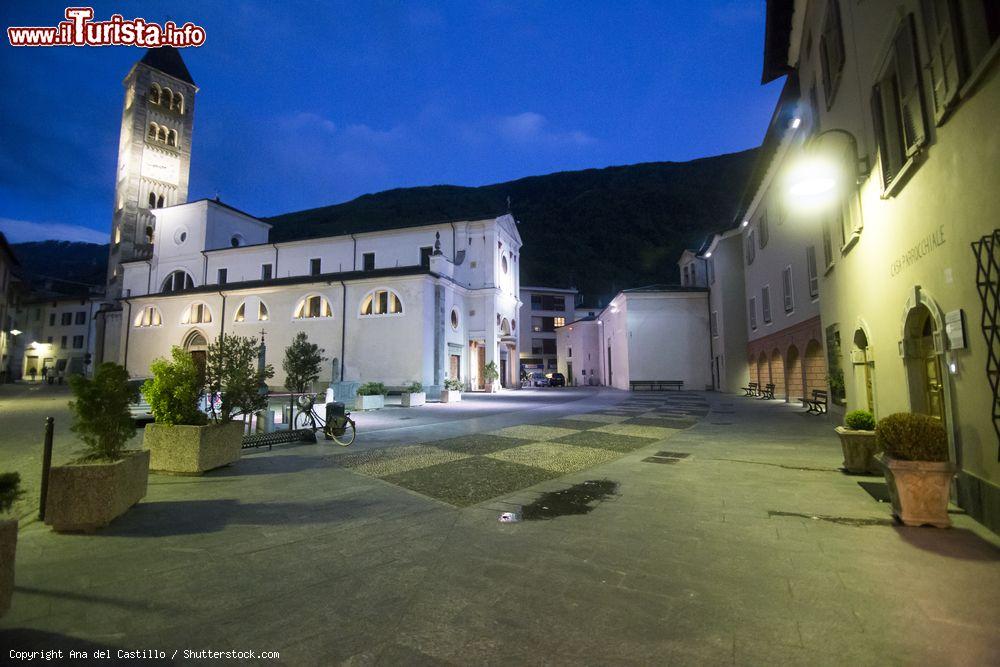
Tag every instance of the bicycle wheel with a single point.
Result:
(305, 420)
(347, 437)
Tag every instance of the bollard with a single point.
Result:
(46, 464)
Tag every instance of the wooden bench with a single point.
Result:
(655, 385)
(751, 390)
(817, 403)
(768, 392)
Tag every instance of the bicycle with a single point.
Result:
(340, 428)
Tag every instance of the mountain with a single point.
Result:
(599, 230)
(62, 266)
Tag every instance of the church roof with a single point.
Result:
(168, 60)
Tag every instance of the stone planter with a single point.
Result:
(450, 396)
(918, 490)
(8, 548)
(414, 399)
(860, 449)
(370, 402)
(191, 450)
(87, 496)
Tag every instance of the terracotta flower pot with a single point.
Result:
(860, 449)
(8, 549)
(87, 496)
(192, 450)
(919, 490)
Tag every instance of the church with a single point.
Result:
(420, 302)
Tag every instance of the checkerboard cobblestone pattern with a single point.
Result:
(470, 469)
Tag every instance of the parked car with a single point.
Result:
(538, 379)
(557, 380)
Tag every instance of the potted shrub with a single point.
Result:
(452, 391)
(491, 375)
(916, 468)
(107, 479)
(857, 439)
(181, 440)
(414, 396)
(10, 491)
(371, 396)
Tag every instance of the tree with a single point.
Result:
(234, 377)
(302, 363)
(175, 389)
(100, 412)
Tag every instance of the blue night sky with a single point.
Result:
(303, 105)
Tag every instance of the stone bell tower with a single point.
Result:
(154, 154)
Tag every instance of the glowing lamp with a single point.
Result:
(16, 332)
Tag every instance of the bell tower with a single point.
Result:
(154, 154)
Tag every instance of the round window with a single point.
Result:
(236, 241)
(503, 263)
(180, 236)
(454, 319)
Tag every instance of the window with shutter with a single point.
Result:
(827, 245)
(943, 62)
(786, 289)
(765, 303)
(831, 51)
(714, 324)
(813, 273)
(751, 248)
(753, 312)
(764, 234)
(897, 105)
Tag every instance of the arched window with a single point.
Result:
(154, 94)
(153, 129)
(178, 105)
(381, 302)
(161, 135)
(172, 138)
(148, 316)
(167, 99)
(313, 306)
(159, 202)
(262, 315)
(177, 281)
(149, 233)
(241, 313)
(197, 313)
(152, 200)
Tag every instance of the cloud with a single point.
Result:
(530, 127)
(20, 231)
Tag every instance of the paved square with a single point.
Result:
(612, 441)
(533, 432)
(470, 480)
(556, 457)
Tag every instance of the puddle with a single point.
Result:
(840, 520)
(577, 499)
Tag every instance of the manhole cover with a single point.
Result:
(659, 459)
(673, 455)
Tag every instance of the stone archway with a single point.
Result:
(778, 374)
(763, 370)
(793, 373)
(814, 368)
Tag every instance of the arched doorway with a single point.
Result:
(778, 374)
(923, 363)
(793, 373)
(814, 367)
(864, 370)
(763, 371)
(196, 345)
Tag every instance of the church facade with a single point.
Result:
(408, 303)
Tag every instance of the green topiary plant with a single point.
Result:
(453, 385)
(414, 388)
(10, 490)
(860, 420)
(100, 412)
(490, 372)
(912, 437)
(235, 378)
(175, 389)
(372, 389)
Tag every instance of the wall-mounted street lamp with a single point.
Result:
(16, 332)
(823, 173)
